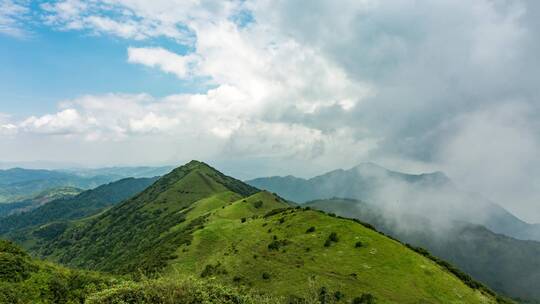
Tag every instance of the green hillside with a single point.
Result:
(143, 233)
(196, 221)
(24, 280)
(506, 264)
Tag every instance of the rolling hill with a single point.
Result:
(419, 194)
(506, 264)
(196, 221)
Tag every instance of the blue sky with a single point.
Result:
(49, 66)
(278, 87)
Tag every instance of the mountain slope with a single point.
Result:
(139, 234)
(24, 280)
(507, 265)
(82, 205)
(197, 221)
(420, 194)
(279, 253)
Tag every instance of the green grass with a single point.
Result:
(382, 267)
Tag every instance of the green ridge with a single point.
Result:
(198, 222)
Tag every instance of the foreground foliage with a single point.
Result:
(25, 280)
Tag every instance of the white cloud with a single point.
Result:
(158, 57)
(67, 121)
(417, 83)
(12, 15)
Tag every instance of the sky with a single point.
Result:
(260, 87)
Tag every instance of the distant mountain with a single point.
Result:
(38, 200)
(508, 265)
(432, 194)
(195, 221)
(84, 204)
(362, 182)
(19, 184)
(123, 172)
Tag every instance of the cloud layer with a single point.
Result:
(310, 86)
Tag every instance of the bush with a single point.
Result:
(257, 204)
(332, 238)
(324, 297)
(310, 229)
(169, 291)
(211, 270)
(277, 244)
(366, 298)
(266, 276)
(243, 220)
(338, 295)
(358, 244)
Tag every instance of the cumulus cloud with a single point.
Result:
(165, 60)
(13, 14)
(416, 84)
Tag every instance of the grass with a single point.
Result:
(381, 267)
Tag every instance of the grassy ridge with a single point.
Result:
(198, 222)
(276, 254)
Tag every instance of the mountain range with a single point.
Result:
(198, 222)
(17, 184)
(429, 193)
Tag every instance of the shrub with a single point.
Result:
(169, 291)
(243, 220)
(210, 270)
(365, 298)
(332, 238)
(310, 229)
(338, 296)
(266, 276)
(277, 244)
(358, 244)
(257, 204)
(324, 297)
